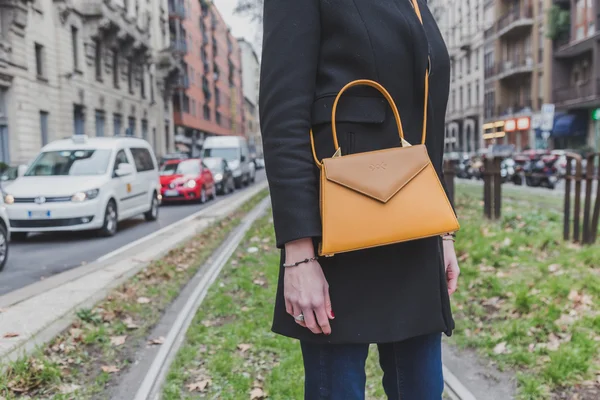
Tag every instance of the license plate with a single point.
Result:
(39, 214)
(171, 193)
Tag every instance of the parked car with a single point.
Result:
(188, 179)
(84, 184)
(221, 174)
(235, 150)
(173, 156)
(4, 235)
(260, 163)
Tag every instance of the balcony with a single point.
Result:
(566, 47)
(585, 93)
(472, 110)
(489, 33)
(522, 108)
(466, 41)
(176, 9)
(517, 65)
(182, 83)
(515, 21)
(179, 46)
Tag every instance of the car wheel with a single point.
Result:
(18, 236)
(3, 247)
(238, 183)
(152, 213)
(111, 219)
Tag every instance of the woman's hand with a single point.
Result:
(451, 264)
(305, 288)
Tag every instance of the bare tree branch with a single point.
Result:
(251, 8)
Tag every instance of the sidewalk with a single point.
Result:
(35, 314)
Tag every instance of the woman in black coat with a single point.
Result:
(397, 295)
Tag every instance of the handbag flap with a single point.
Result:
(378, 174)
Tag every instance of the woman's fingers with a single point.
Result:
(310, 321)
(296, 310)
(289, 308)
(323, 320)
(328, 308)
(452, 273)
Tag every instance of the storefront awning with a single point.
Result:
(569, 125)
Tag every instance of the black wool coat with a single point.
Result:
(311, 49)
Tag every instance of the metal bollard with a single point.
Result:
(571, 176)
(590, 219)
(492, 188)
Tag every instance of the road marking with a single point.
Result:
(152, 383)
(204, 210)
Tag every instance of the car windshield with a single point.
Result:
(70, 162)
(187, 167)
(228, 153)
(214, 164)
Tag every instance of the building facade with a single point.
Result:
(85, 67)
(461, 24)
(518, 71)
(208, 99)
(250, 85)
(576, 70)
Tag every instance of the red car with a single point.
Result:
(186, 179)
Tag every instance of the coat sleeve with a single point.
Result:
(291, 42)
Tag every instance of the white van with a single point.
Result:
(83, 184)
(235, 150)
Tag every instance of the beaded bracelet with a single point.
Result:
(305, 261)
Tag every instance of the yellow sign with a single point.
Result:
(129, 188)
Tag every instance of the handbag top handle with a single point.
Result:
(385, 93)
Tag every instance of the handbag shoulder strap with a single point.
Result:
(415, 4)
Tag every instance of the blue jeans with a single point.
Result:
(412, 369)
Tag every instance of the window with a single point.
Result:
(477, 91)
(115, 65)
(39, 61)
(98, 60)
(193, 75)
(145, 129)
(131, 127)
(130, 76)
(206, 112)
(469, 95)
(453, 99)
(75, 46)
(143, 82)
(117, 122)
(44, 127)
(468, 62)
(152, 89)
(193, 107)
(218, 117)
(78, 119)
(79, 162)
(142, 159)
(460, 98)
(100, 123)
(217, 97)
(186, 104)
(121, 158)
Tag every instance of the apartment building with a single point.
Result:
(250, 85)
(460, 22)
(576, 74)
(82, 67)
(517, 70)
(208, 98)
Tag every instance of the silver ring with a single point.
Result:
(299, 317)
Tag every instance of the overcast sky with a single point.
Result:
(240, 26)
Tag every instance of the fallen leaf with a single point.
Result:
(507, 242)
(158, 340)
(66, 388)
(245, 309)
(9, 335)
(110, 369)
(260, 282)
(254, 239)
(500, 348)
(143, 300)
(553, 342)
(553, 268)
(75, 332)
(118, 340)
(252, 249)
(130, 324)
(199, 386)
(257, 393)
(244, 347)
(574, 296)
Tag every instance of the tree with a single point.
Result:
(252, 8)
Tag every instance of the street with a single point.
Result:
(44, 255)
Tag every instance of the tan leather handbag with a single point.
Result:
(381, 197)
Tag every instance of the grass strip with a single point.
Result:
(528, 300)
(99, 344)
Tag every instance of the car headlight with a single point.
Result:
(83, 196)
(191, 184)
(9, 199)
(218, 177)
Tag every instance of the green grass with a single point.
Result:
(71, 366)
(526, 299)
(518, 285)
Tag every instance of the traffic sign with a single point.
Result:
(536, 120)
(545, 135)
(547, 117)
